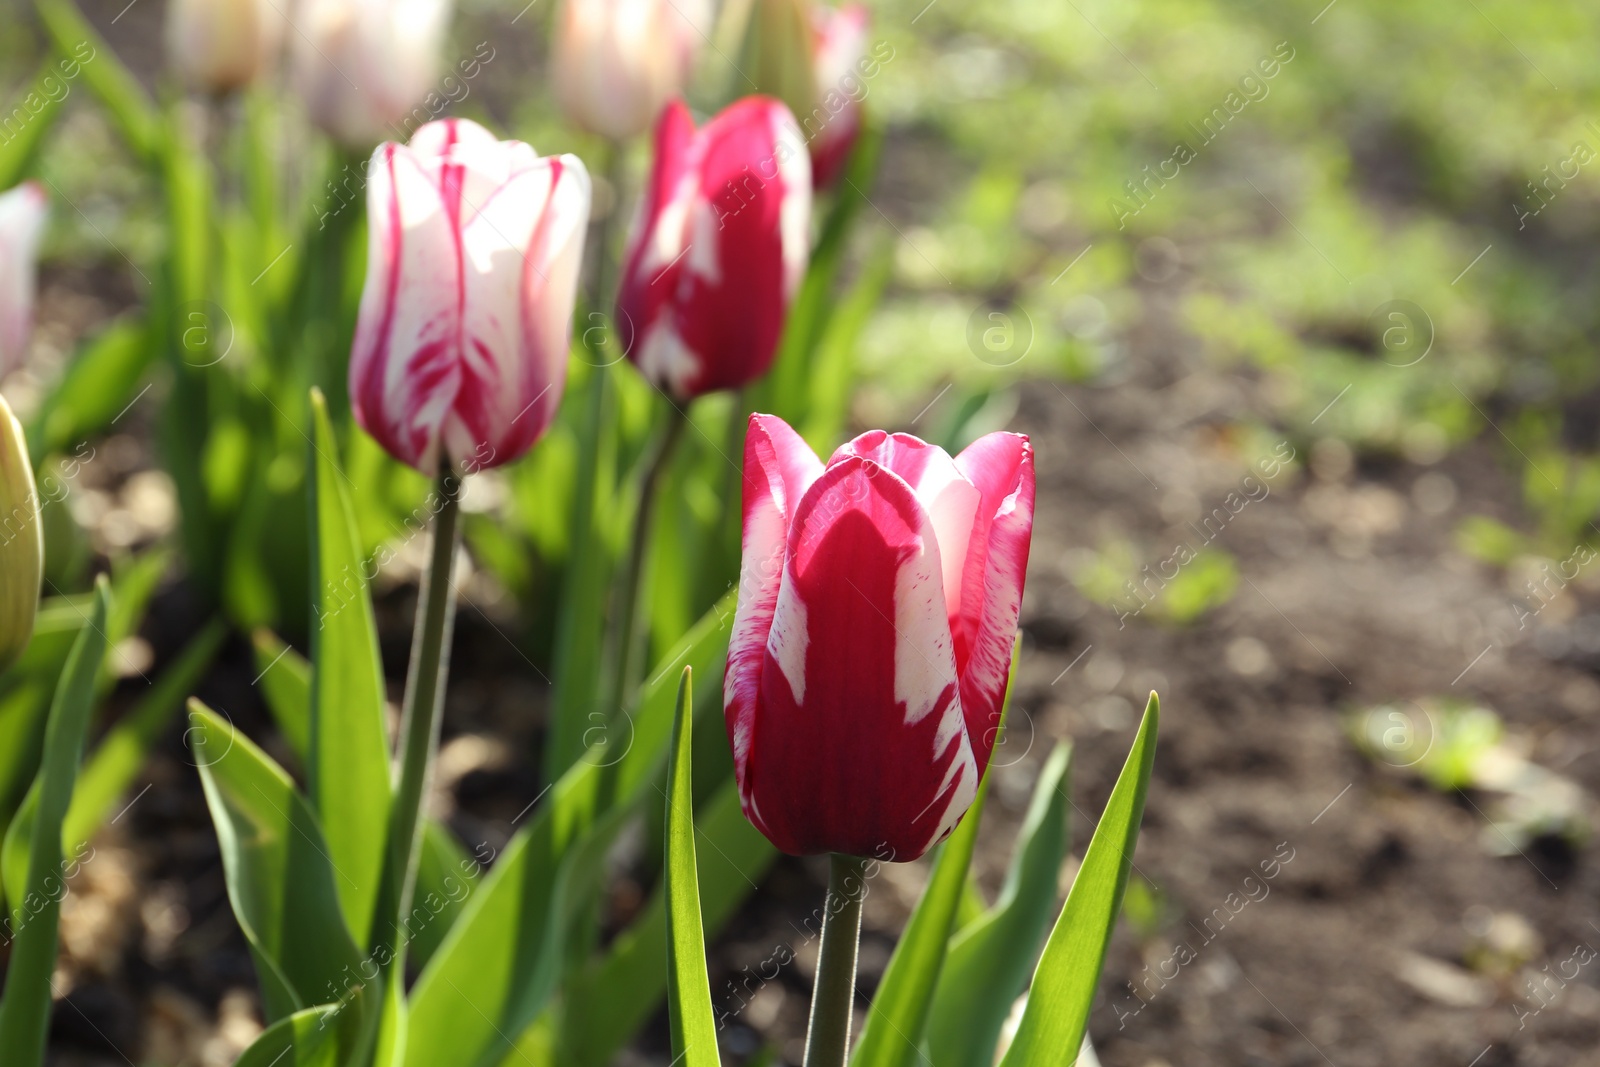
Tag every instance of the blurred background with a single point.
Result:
(1297, 303)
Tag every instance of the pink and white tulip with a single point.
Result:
(878, 604)
(223, 45)
(466, 318)
(617, 62)
(840, 48)
(719, 248)
(363, 66)
(22, 217)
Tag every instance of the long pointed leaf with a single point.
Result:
(500, 963)
(613, 997)
(130, 106)
(285, 680)
(280, 874)
(33, 842)
(989, 960)
(123, 751)
(347, 768)
(694, 1031)
(1069, 971)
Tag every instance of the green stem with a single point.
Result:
(611, 165)
(628, 625)
(424, 698)
(828, 1036)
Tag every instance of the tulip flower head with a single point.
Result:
(719, 247)
(835, 123)
(878, 604)
(363, 66)
(616, 62)
(22, 216)
(223, 45)
(21, 540)
(466, 317)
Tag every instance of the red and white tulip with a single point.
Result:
(840, 46)
(466, 318)
(615, 63)
(363, 66)
(22, 217)
(878, 605)
(719, 248)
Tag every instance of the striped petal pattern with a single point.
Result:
(719, 248)
(472, 270)
(877, 596)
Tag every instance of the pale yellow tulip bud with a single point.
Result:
(21, 540)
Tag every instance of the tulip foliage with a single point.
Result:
(649, 408)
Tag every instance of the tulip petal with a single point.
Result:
(949, 498)
(22, 218)
(846, 755)
(1001, 466)
(521, 253)
(778, 468)
(404, 372)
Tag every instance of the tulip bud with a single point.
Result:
(21, 540)
(616, 62)
(719, 248)
(222, 45)
(22, 215)
(363, 66)
(878, 603)
(466, 318)
(834, 123)
(778, 52)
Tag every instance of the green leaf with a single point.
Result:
(21, 147)
(312, 1037)
(446, 874)
(285, 680)
(502, 959)
(989, 959)
(694, 1031)
(31, 861)
(126, 747)
(583, 592)
(76, 41)
(347, 766)
(281, 879)
(899, 1011)
(1069, 971)
(98, 386)
(609, 1000)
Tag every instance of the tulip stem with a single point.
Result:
(628, 625)
(424, 697)
(828, 1036)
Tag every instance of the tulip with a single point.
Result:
(21, 540)
(223, 45)
(616, 62)
(22, 215)
(363, 66)
(719, 248)
(878, 605)
(466, 318)
(835, 122)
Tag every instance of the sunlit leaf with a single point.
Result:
(1069, 971)
(990, 958)
(694, 1031)
(31, 861)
